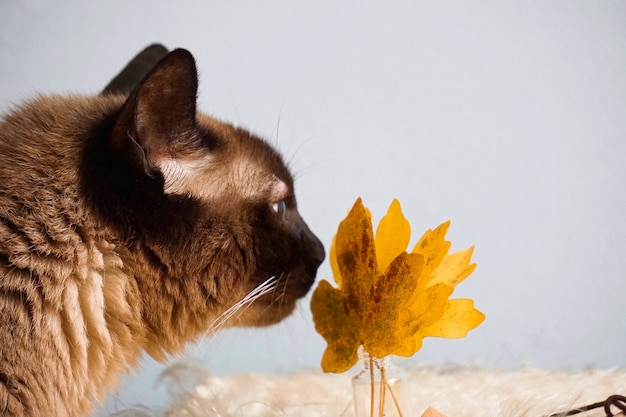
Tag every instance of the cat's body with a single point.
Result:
(131, 224)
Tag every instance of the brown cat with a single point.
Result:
(132, 223)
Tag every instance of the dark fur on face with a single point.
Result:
(134, 223)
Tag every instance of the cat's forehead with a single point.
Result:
(234, 162)
(240, 144)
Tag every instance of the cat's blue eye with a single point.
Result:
(279, 207)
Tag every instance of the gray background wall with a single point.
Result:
(507, 117)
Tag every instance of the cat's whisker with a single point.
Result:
(265, 287)
(280, 295)
(274, 136)
(260, 290)
(277, 296)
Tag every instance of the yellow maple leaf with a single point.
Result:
(365, 307)
(388, 300)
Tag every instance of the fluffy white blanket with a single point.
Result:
(456, 392)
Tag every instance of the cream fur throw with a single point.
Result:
(456, 392)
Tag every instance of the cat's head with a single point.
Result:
(211, 207)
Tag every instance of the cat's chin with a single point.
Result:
(261, 314)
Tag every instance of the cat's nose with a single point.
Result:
(313, 245)
(310, 243)
(317, 249)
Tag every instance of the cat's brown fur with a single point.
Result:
(130, 224)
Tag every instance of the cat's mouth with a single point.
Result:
(273, 299)
(295, 284)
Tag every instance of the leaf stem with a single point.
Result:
(372, 385)
(395, 400)
(383, 385)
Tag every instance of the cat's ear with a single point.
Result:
(157, 124)
(132, 74)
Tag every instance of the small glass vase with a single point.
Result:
(380, 388)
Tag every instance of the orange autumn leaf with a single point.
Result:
(388, 300)
(365, 307)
